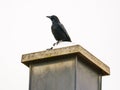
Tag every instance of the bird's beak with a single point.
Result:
(48, 16)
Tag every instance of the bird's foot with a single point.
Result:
(50, 48)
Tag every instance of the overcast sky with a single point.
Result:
(24, 28)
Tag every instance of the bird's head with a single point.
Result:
(53, 18)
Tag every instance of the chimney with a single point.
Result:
(65, 68)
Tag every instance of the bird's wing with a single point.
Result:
(64, 31)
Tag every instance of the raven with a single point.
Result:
(58, 30)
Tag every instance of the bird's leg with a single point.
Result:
(54, 44)
(57, 43)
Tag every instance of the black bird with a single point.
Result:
(58, 30)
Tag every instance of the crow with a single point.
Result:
(58, 30)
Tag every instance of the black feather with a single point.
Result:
(58, 29)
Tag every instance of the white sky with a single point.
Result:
(24, 28)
